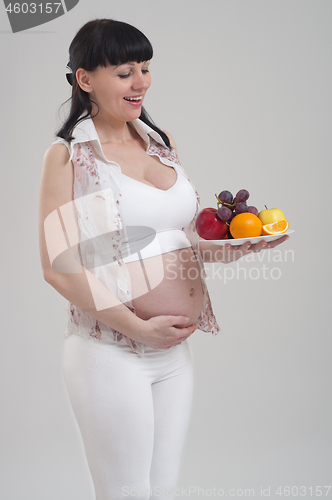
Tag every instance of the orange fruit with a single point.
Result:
(278, 227)
(245, 225)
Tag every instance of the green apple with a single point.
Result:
(271, 215)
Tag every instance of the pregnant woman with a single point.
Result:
(118, 241)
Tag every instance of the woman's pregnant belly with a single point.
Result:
(175, 287)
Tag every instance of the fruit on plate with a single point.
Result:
(209, 226)
(270, 215)
(245, 225)
(228, 206)
(279, 227)
(234, 218)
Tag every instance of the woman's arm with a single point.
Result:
(230, 253)
(75, 285)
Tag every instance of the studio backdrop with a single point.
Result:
(244, 87)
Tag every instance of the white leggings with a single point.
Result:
(133, 413)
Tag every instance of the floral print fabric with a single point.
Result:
(97, 195)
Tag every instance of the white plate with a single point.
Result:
(240, 241)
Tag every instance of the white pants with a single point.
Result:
(133, 413)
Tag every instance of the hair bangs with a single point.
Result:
(116, 43)
(126, 44)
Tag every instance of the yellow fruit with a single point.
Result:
(245, 225)
(278, 227)
(271, 215)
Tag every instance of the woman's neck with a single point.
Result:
(111, 130)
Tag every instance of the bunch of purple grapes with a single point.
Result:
(229, 207)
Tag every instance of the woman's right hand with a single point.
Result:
(162, 332)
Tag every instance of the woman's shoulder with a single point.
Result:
(57, 151)
(173, 144)
(60, 140)
(61, 150)
(175, 151)
(171, 139)
(59, 144)
(58, 154)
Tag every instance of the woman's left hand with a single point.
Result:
(230, 253)
(235, 252)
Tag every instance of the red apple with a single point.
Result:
(209, 226)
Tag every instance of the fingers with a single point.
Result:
(274, 243)
(271, 244)
(183, 333)
(165, 333)
(244, 247)
(247, 247)
(257, 247)
(177, 320)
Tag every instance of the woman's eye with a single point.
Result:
(144, 71)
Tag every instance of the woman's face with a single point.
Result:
(118, 90)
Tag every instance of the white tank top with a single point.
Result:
(154, 218)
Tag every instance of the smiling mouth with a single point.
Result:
(134, 99)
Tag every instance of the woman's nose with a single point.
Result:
(141, 82)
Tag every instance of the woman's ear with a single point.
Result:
(83, 79)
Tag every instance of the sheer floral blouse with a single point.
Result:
(97, 192)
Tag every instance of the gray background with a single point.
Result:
(244, 86)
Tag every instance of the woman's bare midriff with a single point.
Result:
(168, 284)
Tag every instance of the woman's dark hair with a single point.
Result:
(98, 43)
